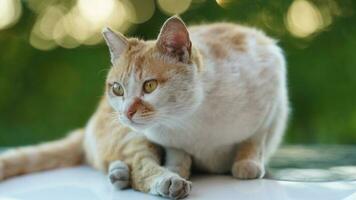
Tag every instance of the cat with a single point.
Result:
(212, 95)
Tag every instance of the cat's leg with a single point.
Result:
(253, 154)
(249, 163)
(147, 175)
(178, 161)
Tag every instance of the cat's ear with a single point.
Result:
(116, 42)
(174, 39)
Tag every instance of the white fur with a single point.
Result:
(90, 146)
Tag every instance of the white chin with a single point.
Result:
(136, 126)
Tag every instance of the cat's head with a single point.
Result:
(153, 82)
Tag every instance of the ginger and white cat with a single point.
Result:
(212, 95)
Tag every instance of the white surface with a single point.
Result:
(88, 184)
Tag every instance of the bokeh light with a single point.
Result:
(139, 11)
(79, 24)
(42, 32)
(96, 11)
(303, 18)
(174, 7)
(10, 12)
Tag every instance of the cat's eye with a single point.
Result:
(117, 89)
(150, 86)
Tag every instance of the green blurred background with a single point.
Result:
(53, 62)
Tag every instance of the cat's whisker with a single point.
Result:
(147, 114)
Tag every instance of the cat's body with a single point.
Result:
(220, 99)
(243, 83)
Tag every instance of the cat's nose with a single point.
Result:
(133, 108)
(130, 113)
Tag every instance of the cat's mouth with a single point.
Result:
(137, 124)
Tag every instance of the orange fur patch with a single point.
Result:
(246, 150)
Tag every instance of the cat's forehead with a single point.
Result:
(141, 61)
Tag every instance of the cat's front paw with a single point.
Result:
(119, 174)
(171, 186)
(247, 169)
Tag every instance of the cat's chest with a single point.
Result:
(208, 152)
(200, 129)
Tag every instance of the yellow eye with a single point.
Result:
(117, 89)
(150, 86)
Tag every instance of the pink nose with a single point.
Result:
(133, 108)
(131, 113)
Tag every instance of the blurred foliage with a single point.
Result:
(44, 94)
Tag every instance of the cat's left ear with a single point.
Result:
(116, 42)
(174, 39)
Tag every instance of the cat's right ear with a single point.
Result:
(116, 42)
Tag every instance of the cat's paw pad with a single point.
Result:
(119, 174)
(172, 186)
(247, 169)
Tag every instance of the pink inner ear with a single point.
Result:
(180, 39)
(176, 41)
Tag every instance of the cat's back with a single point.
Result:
(218, 40)
(236, 52)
